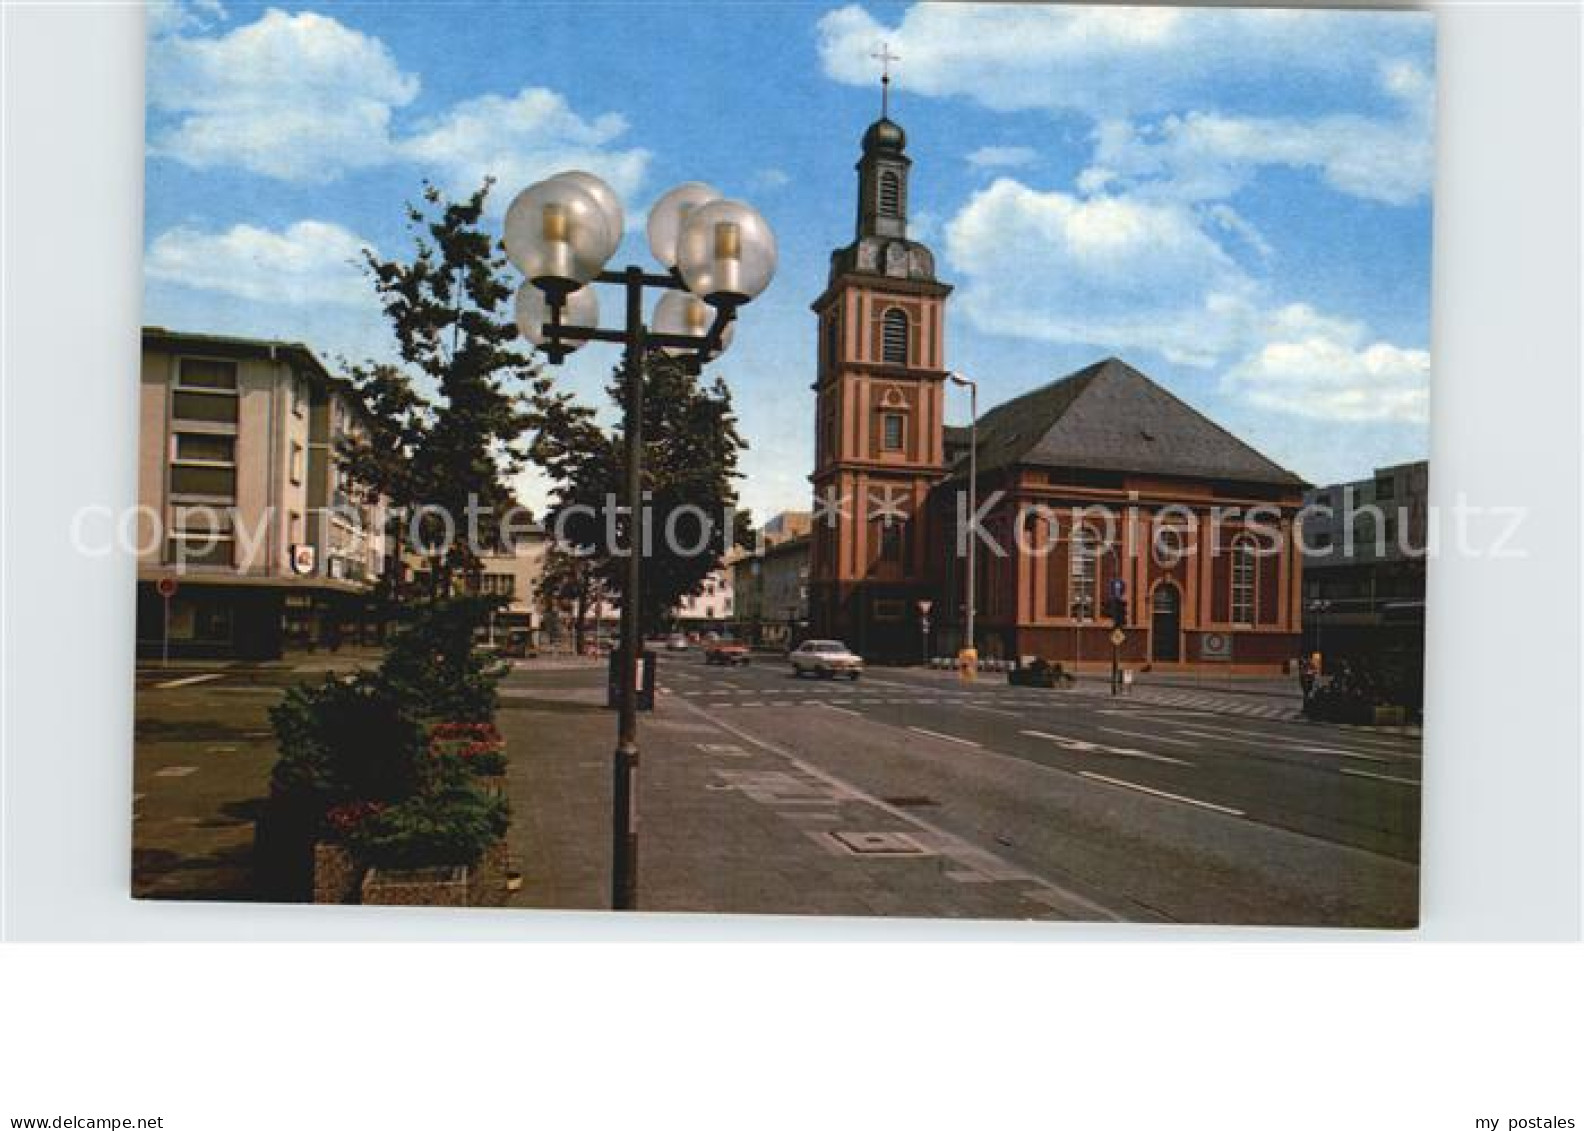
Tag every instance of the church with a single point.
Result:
(1108, 514)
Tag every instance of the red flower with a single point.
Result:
(347, 817)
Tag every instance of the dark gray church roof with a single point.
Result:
(1109, 416)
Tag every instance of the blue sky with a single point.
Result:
(1237, 202)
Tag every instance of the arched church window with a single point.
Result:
(1082, 574)
(894, 337)
(1243, 580)
(890, 194)
(832, 341)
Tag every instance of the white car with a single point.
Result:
(826, 659)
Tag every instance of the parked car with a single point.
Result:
(676, 642)
(518, 643)
(826, 659)
(726, 652)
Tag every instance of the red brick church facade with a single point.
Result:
(1101, 476)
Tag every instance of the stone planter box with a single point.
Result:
(418, 887)
(337, 876)
(487, 879)
(494, 784)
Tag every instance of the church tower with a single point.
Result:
(879, 429)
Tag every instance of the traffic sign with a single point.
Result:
(924, 608)
(1118, 588)
(1118, 637)
(165, 587)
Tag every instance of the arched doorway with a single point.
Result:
(1166, 623)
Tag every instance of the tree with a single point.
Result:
(445, 427)
(691, 447)
(568, 582)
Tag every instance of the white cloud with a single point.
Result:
(167, 17)
(299, 97)
(1002, 156)
(770, 179)
(1210, 156)
(305, 98)
(308, 263)
(523, 139)
(1327, 368)
(1106, 60)
(1105, 271)
(1134, 274)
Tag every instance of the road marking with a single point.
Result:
(947, 843)
(1162, 793)
(1083, 746)
(1296, 740)
(1275, 742)
(1380, 777)
(175, 771)
(945, 737)
(1151, 737)
(205, 678)
(843, 710)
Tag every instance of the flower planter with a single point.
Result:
(337, 876)
(487, 879)
(493, 783)
(417, 887)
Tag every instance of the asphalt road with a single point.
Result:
(1166, 812)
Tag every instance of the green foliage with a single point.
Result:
(691, 449)
(433, 668)
(345, 740)
(450, 310)
(449, 825)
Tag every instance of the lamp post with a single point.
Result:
(968, 656)
(718, 254)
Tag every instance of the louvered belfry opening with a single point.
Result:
(894, 337)
(890, 194)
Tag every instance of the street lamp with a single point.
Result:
(718, 255)
(968, 656)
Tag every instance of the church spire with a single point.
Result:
(886, 59)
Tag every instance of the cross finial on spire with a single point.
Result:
(886, 59)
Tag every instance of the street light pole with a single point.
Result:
(624, 794)
(973, 509)
(719, 254)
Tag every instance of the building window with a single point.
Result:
(1243, 581)
(210, 482)
(299, 398)
(1385, 488)
(1083, 555)
(894, 337)
(206, 391)
(891, 430)
(203, 448)
(890, 194)
(201, 373)
(201, 535)
(295, 467)
(832, 341)
(498, 585)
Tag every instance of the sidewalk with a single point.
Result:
(729, 827)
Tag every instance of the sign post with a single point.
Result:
(924, 608)
(166, 588)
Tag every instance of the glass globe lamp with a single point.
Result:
(726, 252)
(605, 196)
(580, 308)
(679, 312)
(558, 235)
(668, 215)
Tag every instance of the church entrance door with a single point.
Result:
(1166, 624)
